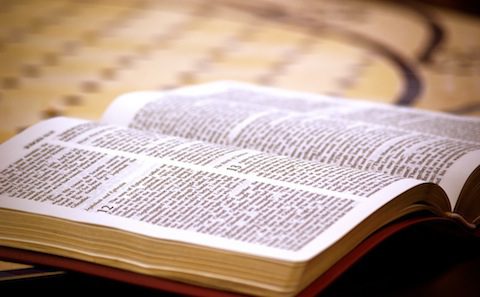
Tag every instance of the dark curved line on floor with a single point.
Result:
(412, 82)
(437, 33)
(413, 85)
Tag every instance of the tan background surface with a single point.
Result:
(60, 57)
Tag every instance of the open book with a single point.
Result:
(232, 186)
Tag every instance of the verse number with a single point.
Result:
(105, 208)
(234, 167)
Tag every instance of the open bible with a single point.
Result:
(232, 186)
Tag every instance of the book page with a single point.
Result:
(442, 124)
(178, 189)
(223, 115)
(437, 123)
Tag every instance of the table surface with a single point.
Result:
(61, 57)
(72, 58)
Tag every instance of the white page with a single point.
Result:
(82, 171)
(437, 123)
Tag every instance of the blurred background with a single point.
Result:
(65, 57)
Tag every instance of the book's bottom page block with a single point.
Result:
(418, 257)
